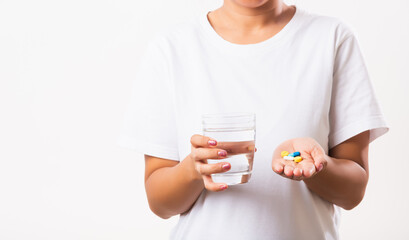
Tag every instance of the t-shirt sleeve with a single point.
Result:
(354, 107)
(149, 125)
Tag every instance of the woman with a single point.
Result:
(304, 77)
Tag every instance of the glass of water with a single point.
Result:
(235, 133)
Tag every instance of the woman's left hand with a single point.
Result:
(314, 159)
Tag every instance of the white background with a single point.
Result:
(65, 75)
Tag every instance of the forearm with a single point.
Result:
(342, 182)
(173, 190)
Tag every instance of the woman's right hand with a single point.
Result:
(204, 148)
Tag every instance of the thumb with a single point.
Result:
(320, 159)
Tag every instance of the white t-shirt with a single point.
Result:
(309, 80)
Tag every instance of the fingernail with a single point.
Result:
(222, 153)
(222, 187)
(320, 167)
(212, 142)
(226, 166)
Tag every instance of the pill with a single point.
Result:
(296, 154)
(298, 159)
(288, 158)
(291, 155)
(284, 153)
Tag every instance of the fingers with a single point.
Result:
(291, 170)
(297, 173)
(212, 186)
(319, 157)
(288, 171)
(278, 166)
(308, 170)
(198, 141)
(199, 154)
(203, 149)
(207, 169)
(320, 162)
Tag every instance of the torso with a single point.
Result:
(286, 80)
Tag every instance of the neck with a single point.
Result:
(251, 19)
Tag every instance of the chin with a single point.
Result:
(251, 3)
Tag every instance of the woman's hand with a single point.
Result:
(204, 148)
(314, 159)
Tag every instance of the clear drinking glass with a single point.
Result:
(235, 133)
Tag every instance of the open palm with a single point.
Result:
(314, 159)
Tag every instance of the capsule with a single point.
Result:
(297, 159)
(296, 154)
(289, 158)
(284, 153)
